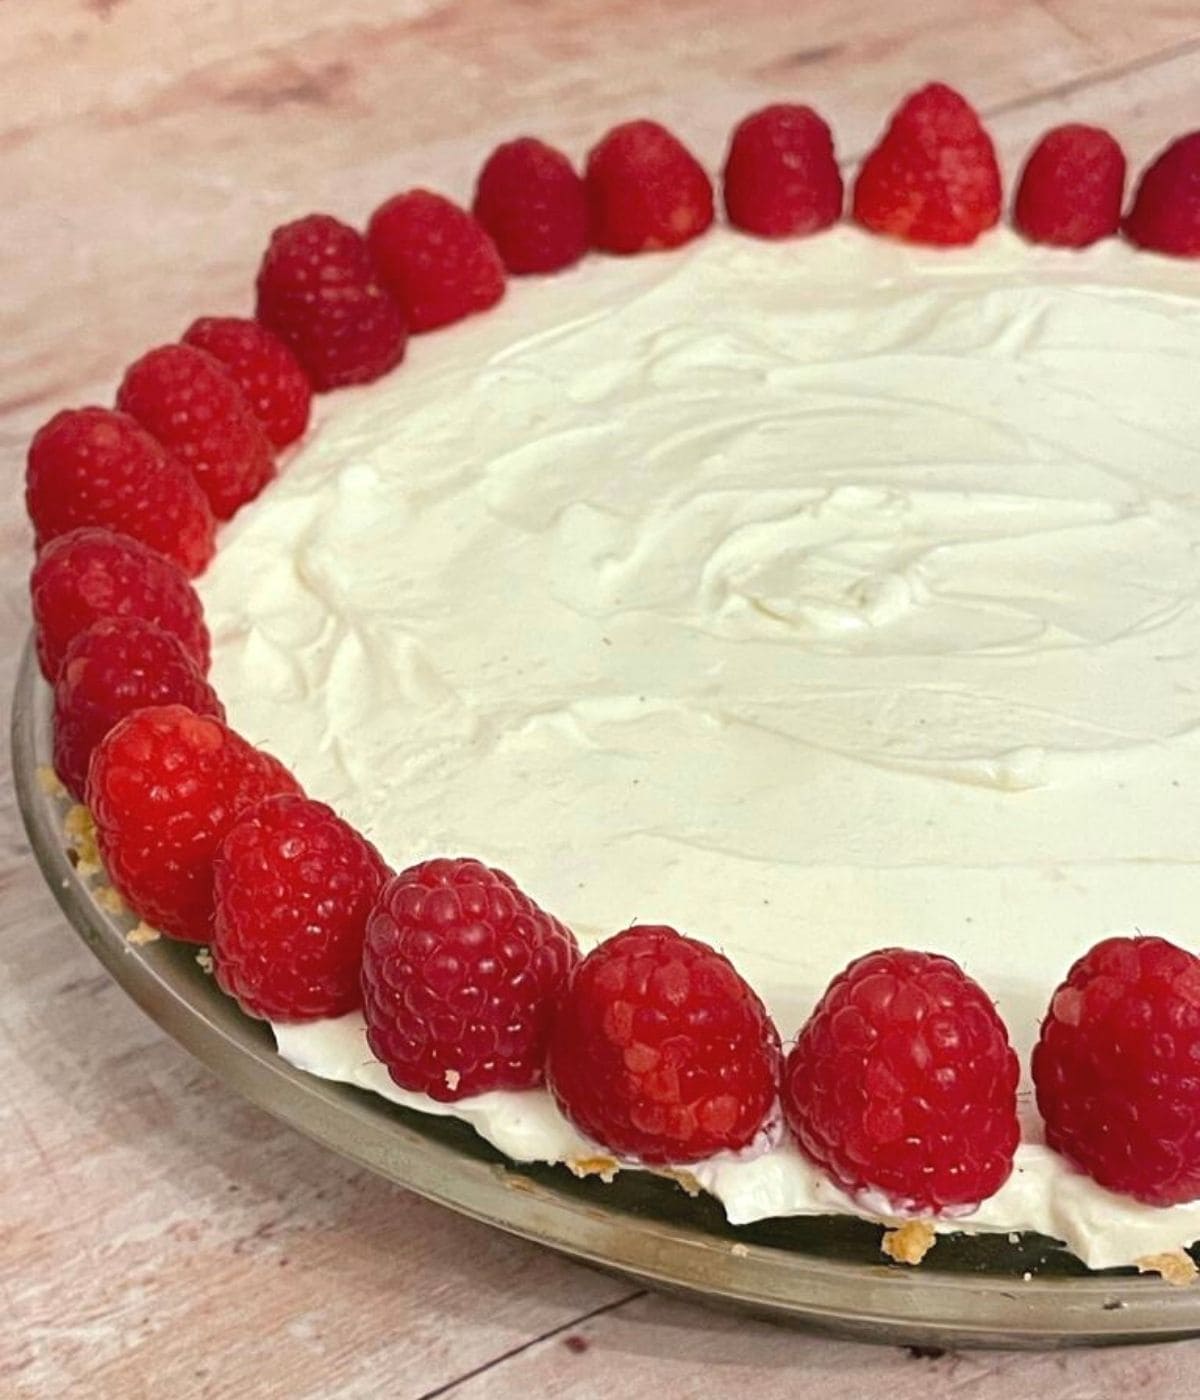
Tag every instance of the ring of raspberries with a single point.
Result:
(902, 1084)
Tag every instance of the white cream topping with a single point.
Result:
(808, 597)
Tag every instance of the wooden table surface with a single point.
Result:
(157, 1235)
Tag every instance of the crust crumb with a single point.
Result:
(204, 961)
(684, 1179)
(605, 1168)
(81, 834)
(48, 781)
(515, 1181)
(909, 1243)
(1175, 1265)
(739, 1251)
(142, 934)
(453, 1079)
(109, 899)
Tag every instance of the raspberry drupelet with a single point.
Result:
(187, 400)
(1115, 1069)
(903, 1083)
(271, 378)
(461, 972)
(318, 292)
(1071, 189)
(435, 259)
(781, 177)
(293, 885)
(933, 177)
(91, 573)
(94, 466)
(661, 1052)
(1165, 216)
(533, 203)
(164, 787)
(114, 667)
(646, 191)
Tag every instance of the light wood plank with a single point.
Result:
(1120, 30)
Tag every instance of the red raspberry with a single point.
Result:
(318, 292)
(534, 205)
(188, 401)
(434, 258)
(164, 787)
(91, 466)
(781, 177)
(646, 190)
(933, 177)
(293, 885)
(1115, 1069)
(88, 574)
(1071, 189)
(272, 382)
(116, 666)
(902, 1081)
(1166, 206)
(460, 973)
(660, 1052)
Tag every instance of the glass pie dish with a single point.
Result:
(822, 1272)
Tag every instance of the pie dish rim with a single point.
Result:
(667, 1244)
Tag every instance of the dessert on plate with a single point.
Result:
(722, 704)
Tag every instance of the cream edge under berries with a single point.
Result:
(808, 353)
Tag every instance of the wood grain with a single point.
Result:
(157, 1235)
(654, 1345)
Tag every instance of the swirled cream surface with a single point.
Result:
(808, 597)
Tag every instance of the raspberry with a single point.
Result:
(660, 1052)
(645, 190)
(186, 399)
(933, 177)
(1166, 206)
(460, 973)
(91, 466)
(272, 382)
(318, 292)
(1071, 189)
(91, 573)
(116, 666)
(903, 1082)
(1115, 1069)
(164, 787)
(534, 205)
(434, 258)
(781, 177)
(293, 885)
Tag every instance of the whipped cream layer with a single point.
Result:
(809, 597)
